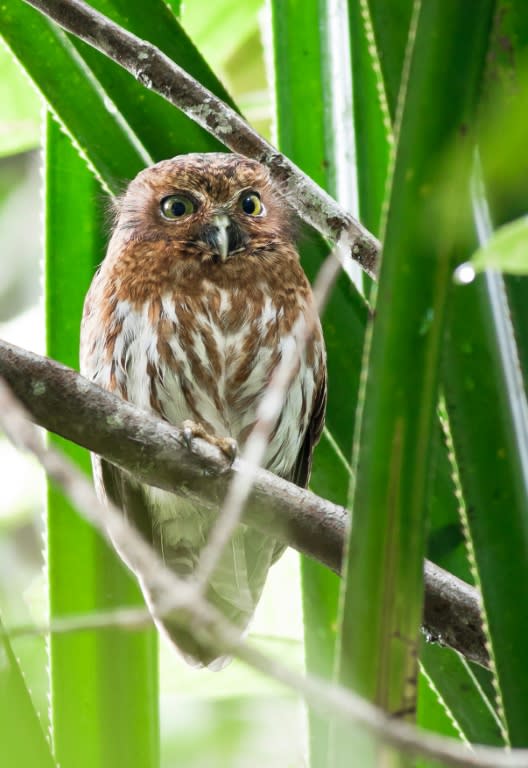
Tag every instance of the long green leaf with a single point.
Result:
(220, 31)
(50, 60)
(461, 695)
(505, 177)
(471, 712)
(20, 116)
(506, 250)
(163, 130)
(390, 24)
(488, 420)
(506, 102)
(445, 538)
(110, 143)
(22, 740)
(387, 540)
(485, 395)
(104, 683)
(390, 29)
(303, 76)
(372, 123)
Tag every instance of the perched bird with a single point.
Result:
(200, 294)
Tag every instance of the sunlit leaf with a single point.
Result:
(506, 250)
(22, 740)
(20, 113)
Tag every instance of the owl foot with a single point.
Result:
(192, 429)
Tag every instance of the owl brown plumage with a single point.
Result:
(199, 296)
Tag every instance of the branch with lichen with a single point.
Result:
(188, 608)
(157, 453)
(155, 70)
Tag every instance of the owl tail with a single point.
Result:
(234, 590)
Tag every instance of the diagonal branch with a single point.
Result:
(64, 402)
(157, 72)
(190, 610)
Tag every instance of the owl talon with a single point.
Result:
(191, 430)
(228, 446)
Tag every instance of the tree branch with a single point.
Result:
(190, 610)
(158, 73)
(155, 452)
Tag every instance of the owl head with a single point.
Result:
(217, 205)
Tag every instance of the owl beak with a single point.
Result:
(223, 236)
(220, 235)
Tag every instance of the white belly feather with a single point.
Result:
(136, 352)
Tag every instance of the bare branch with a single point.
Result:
(329, 699)
(64, 402)
(158, 73)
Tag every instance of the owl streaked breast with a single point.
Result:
(200, 296)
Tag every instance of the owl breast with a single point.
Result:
(209, 359)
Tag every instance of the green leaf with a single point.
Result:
(22, 740)
(390, 23)
(506, 250)
(103, 683)
(505, 179)
(502, 138)
(163, 130)
(379, 629)
(486, 409)
(302, 66)
(446, 545)
(20, 117)
(484, 391)
(433, 711)
(457, 688)
(219, 32)
(433, 715)
(372, 123)
(152, 129)
(73, 96)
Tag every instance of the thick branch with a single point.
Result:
(157, 72)
(188, 608)
(64, 402)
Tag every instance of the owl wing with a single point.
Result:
(112, 484)
(300, 473)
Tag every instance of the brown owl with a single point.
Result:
(200, 294)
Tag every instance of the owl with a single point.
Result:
(200, 295)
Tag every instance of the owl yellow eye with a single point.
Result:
(251, 204)
(176, 206)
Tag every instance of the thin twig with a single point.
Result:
(158, 73)
(268, 414)
(328, 698)
(119, 618)
(155, 452)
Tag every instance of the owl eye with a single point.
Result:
(176, 206)
(251, 204)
